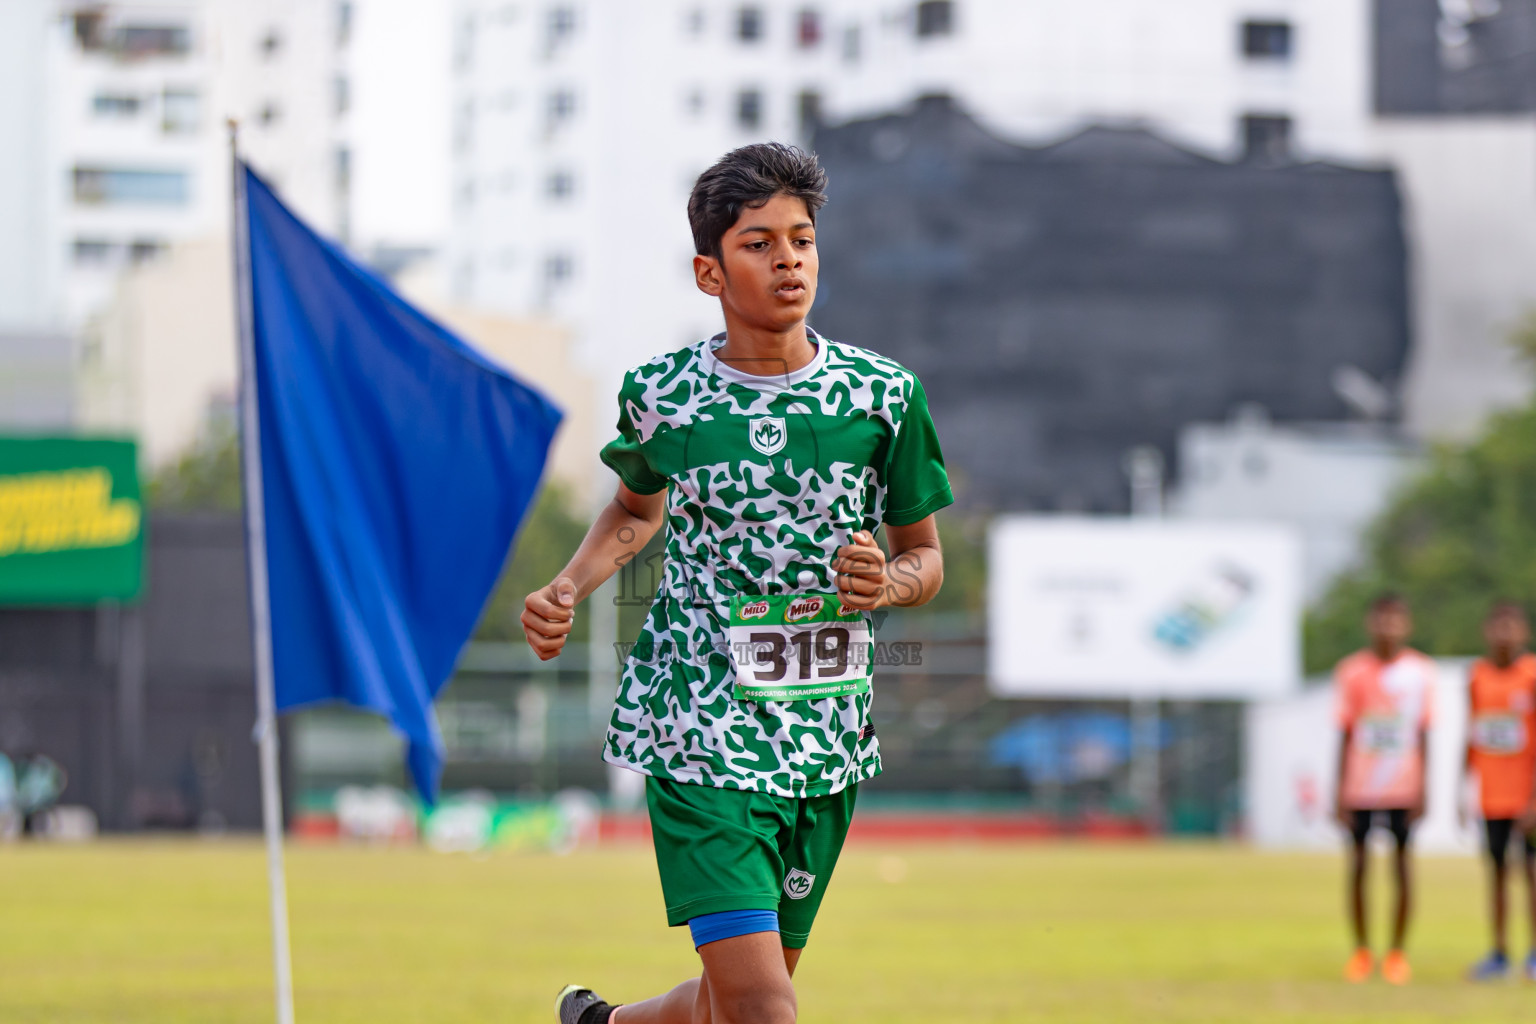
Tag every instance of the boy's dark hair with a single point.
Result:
(1389, 599)
(1505, 607)
(747, 178)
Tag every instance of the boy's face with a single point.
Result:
(1506, 631)
(1390, 625)
(766, 273)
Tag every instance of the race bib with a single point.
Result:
(1498, 733)
(798, 647)
(1384, 734)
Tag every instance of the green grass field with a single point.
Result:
(163, 932)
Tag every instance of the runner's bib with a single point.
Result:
(798, 647)
(1497, 733)
(1385, 734)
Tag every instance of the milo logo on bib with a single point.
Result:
(804, 608)
(788, 647)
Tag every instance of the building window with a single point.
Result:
(464, 44)
(695, 22)
(114, 105)
(180, 111)
(271, 44)
(935, 18)
(560, 185)
(559, 268)
(343, 24)
(562, 106)
(92, 252)
(749, 24)
(341, 94)
(561, 26)
(808, 110)
(269, 114)
(1267, 39)
(342, 166)
(107, 185)
(464, 127)
(154, 40)
(1266, 138)
(852, 44)
(144, 249)
(749, 108)
(808, 29)
(694, 102)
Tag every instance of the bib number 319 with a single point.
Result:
(798, 647)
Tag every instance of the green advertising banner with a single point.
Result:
(71, 521)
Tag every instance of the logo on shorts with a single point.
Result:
(768, 434)
(797, 884)
(754, 610)
(803, 608)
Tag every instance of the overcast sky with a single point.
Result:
(400, 121)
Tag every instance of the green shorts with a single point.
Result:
(728, 849)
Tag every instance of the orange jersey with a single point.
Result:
(1384, 705)
(1503, 720)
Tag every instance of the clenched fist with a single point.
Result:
(860, 568)
(548, 615)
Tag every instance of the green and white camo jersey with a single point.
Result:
(766, 477)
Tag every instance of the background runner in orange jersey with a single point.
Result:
(1500, 756)
(1385, 696)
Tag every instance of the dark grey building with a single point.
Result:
(1066, 303)
(1437, 59)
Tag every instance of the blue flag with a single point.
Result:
(397, 463)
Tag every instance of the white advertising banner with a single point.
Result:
(1143, 608)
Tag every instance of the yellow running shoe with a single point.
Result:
(1359, 967)
(1395, 968)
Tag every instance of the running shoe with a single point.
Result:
(1395, 968)
(1359, 966)
(577, 1004)
(1493, 967)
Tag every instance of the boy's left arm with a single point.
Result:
(912, 575)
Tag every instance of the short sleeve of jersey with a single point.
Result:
(1345, 690)
(625, 454)
(916, 484)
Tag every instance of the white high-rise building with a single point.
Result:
(115, 143)
(579, 126)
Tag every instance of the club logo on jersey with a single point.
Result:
(798, 884)
(767, 434)
(803, 608)
(755, 610)
(846, 612)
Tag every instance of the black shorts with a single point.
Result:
(1499, 831)
(1396, 822)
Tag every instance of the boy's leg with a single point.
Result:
(1498, 832)
(1404, 865)
(1529, 848)
(1360, 827)
(747, 986)
(690, 1003)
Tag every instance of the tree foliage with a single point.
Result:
(205, 478)
(1460, 536)
(547, 540)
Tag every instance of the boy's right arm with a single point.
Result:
(624, 526)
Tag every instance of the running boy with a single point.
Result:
(1502, 705)
(771, 455)
(1385, 695)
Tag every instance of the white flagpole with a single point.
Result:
(261, 611)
